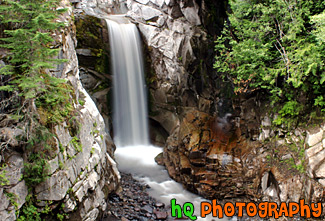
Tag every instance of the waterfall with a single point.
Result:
(130, 121)
(130, 117)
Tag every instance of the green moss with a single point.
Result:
(102, 61)
(3, 178)
(92, 150)
(61, 148)
(13, 198)
(30, 211)
(61, 165)
(81, 102)
(74, 126)
(36, 170)
(76, 143)
(88, 32)
(89, 35)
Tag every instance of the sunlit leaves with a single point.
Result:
(276, 46)
(319, 23)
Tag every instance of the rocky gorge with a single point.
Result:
(218, 145)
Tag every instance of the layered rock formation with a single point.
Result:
(211, 159)
(82, 170)
(179, 57)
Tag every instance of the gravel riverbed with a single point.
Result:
(134, 203)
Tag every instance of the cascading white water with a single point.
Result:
(130, 108)
(134, 153)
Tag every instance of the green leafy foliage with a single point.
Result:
(45, 100)
(13, 198)
(276, 47)
(29, 42)
(28, 39)
(36, 169)
(288, 113)
(75, 141)
(55, 105)
(319, 22)
(30, 212)
(3, 178)
(31, 25)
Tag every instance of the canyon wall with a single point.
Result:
(82, 170)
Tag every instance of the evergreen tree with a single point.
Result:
(271, 46)
(28, 38)
(45, 100)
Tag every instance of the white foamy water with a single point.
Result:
(130, 118)
(139, 161)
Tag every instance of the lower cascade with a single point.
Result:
(139, 161)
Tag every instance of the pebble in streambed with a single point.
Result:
(134, 203)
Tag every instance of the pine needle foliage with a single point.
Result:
(32, 24)
(276, 47)
(44, 99)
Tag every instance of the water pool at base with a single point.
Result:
(139, 161)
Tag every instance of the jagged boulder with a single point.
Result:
(315, 154)
(206, 155)
(210, 157)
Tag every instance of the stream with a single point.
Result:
(139, 161)
(134, 154)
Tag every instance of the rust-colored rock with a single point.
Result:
(208, 156)
(211, 157)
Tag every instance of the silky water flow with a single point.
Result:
(134, 154)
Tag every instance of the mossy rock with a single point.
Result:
(89, 32)
(92, 34)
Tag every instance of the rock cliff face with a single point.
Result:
(181, 53)
(219, 145)
(179, 57)
(82, 174)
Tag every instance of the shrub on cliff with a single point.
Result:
(278, 47)
(30, 25)
(43, 100)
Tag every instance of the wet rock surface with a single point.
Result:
(210, 157)
(134, 203)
